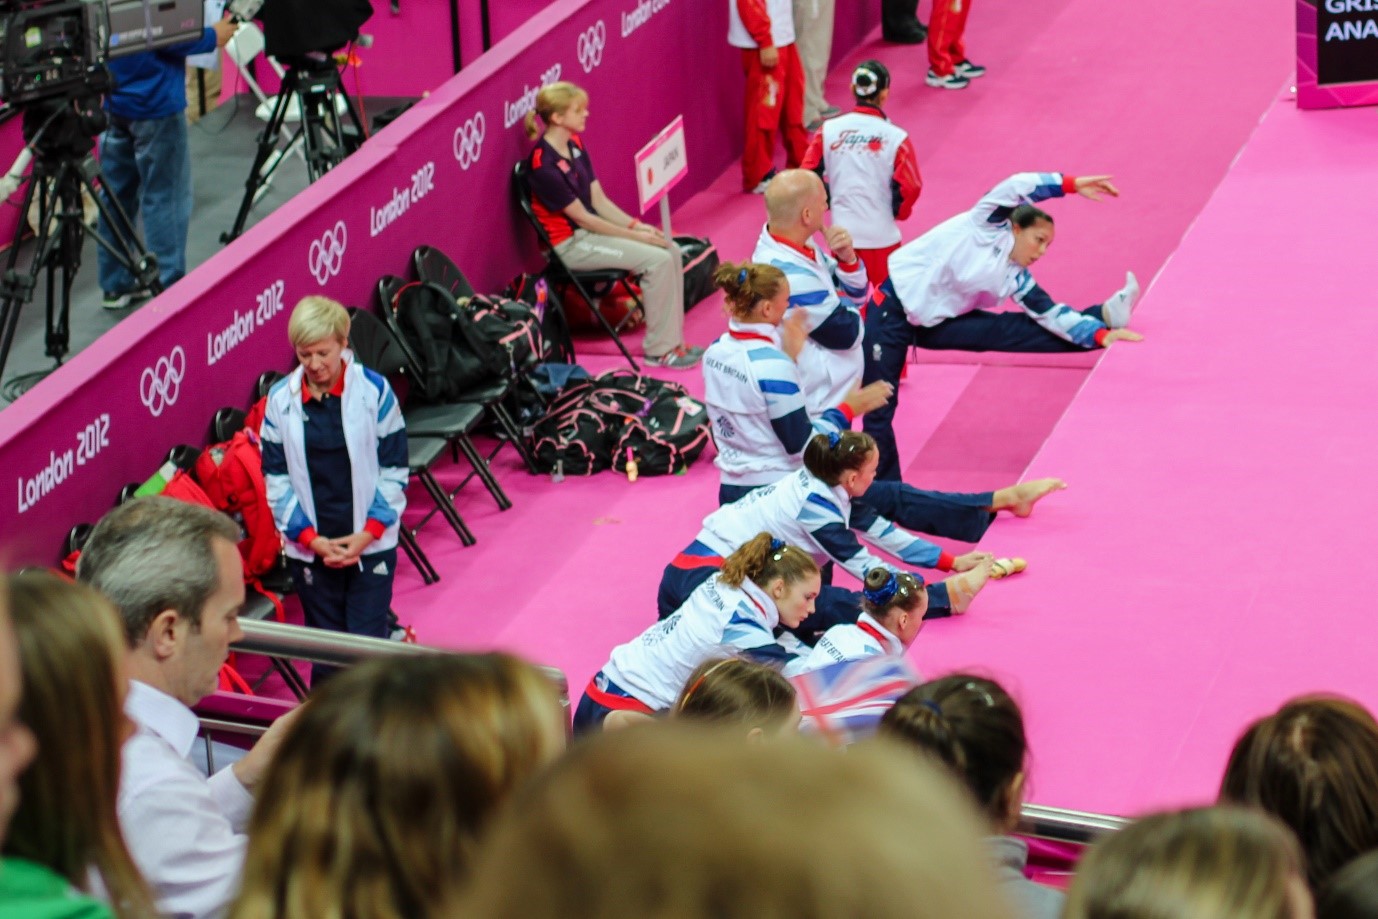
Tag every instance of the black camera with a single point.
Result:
(52, 48)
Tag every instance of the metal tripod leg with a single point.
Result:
(267, 147)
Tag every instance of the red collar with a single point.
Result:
(750, 336)
(875, 633)
(337, 390)
(806, 251)
(865, 109)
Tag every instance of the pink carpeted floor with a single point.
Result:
(1163, 96)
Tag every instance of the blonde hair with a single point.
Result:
(373, 806)
(762, 558)
(1204, 863)
(71, 652)
(682, 820)
(317, 318)
(746, 285)
(551, 100)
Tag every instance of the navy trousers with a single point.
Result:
(889, 335)
(354, 599)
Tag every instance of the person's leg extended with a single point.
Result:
(662, 280)
(885, 344)
(950, 514)
(981, 330)
(164, 162)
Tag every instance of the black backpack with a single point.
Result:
(571, 437)
(454, 358)
(700, 264)
(665, 435)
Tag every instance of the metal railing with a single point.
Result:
(1063, 825)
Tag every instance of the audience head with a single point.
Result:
(1033, 234)
(679, 820)
(973, 726)
(848, 459)
(795, 204)
(1314, 764)
(788, 573)
(16, 740)
(897, 600)
(741, 693)
(174, 573)
(319, 332)
(374, 802)
(755, 292)
(72, 653)
(554, 104)
(1351, 892)
(871, 83)
(1207, 863)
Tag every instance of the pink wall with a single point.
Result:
(108, 416)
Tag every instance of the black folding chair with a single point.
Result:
(591, 284)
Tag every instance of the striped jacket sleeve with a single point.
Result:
(903, 545)
(832, 322)
(390, 494)
(749, 637)
(778, 379)
(1021, 188)
(287, 511)
(825, 523)
(1058, 318)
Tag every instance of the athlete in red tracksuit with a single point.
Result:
(871, 170)
(948, 66)
(764, 30)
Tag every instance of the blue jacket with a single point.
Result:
(153, 84)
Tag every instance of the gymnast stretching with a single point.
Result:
(764, 583)
(755, 395)
(817, 509)
(943, 285)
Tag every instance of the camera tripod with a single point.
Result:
(62, 135)
(316, 84)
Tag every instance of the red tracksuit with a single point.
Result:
(774, 99)
(945, 50)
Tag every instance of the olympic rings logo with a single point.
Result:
(327, 254)
(468, 142)
(591, 45)
(161, 384)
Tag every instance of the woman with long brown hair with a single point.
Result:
(374, 803)
(65, 835)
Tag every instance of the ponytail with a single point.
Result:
(746, 285)
(551, 100)
(886, 591)
(827, 456)
(972, 725)
(763, 558)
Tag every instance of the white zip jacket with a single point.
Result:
(859, 151)
(866, 638)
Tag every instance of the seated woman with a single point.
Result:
(818, 509)
(944, 285)
(1206, 863)
(763, 584)
(1314, 765)
(973, 726)
(741, 694)
(756, 399)
(376, 800)
(590, 232)
(335, 471)
(64, 851)
(892, 608)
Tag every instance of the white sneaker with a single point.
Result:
(1120, 306)
(951, 81)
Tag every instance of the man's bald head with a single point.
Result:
(790, 193)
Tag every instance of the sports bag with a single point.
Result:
(508, 325)
(700, 262)
(665, 436)
(453, 357)
(572, 437)
(231, 473)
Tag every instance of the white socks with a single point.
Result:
(1120, 306)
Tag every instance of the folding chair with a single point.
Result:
(599, 281)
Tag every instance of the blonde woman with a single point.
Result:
(335, 469)
(375, 802)
(65, 835)
(1207, 863)
(589, 231)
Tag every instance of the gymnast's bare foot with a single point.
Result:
(1020, 499)
(963, 588)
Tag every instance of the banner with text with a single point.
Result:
(1337, 53)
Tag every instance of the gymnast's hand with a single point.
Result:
(794, 331)
(1115, 335)
(1094, 186)
(869, 397)
(840, 243)
(971, 560)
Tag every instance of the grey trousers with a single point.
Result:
(662, 280)
(813, 36)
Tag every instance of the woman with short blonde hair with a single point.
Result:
(317, 318)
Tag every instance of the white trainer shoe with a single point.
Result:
(1120, 306)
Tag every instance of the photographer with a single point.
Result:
(145, 158)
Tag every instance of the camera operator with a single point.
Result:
(146, 160)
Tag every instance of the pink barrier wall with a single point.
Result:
(438, 176)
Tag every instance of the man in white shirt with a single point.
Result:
(173, 570)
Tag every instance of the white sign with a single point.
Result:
(661, 164)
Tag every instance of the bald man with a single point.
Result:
(827, 286)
